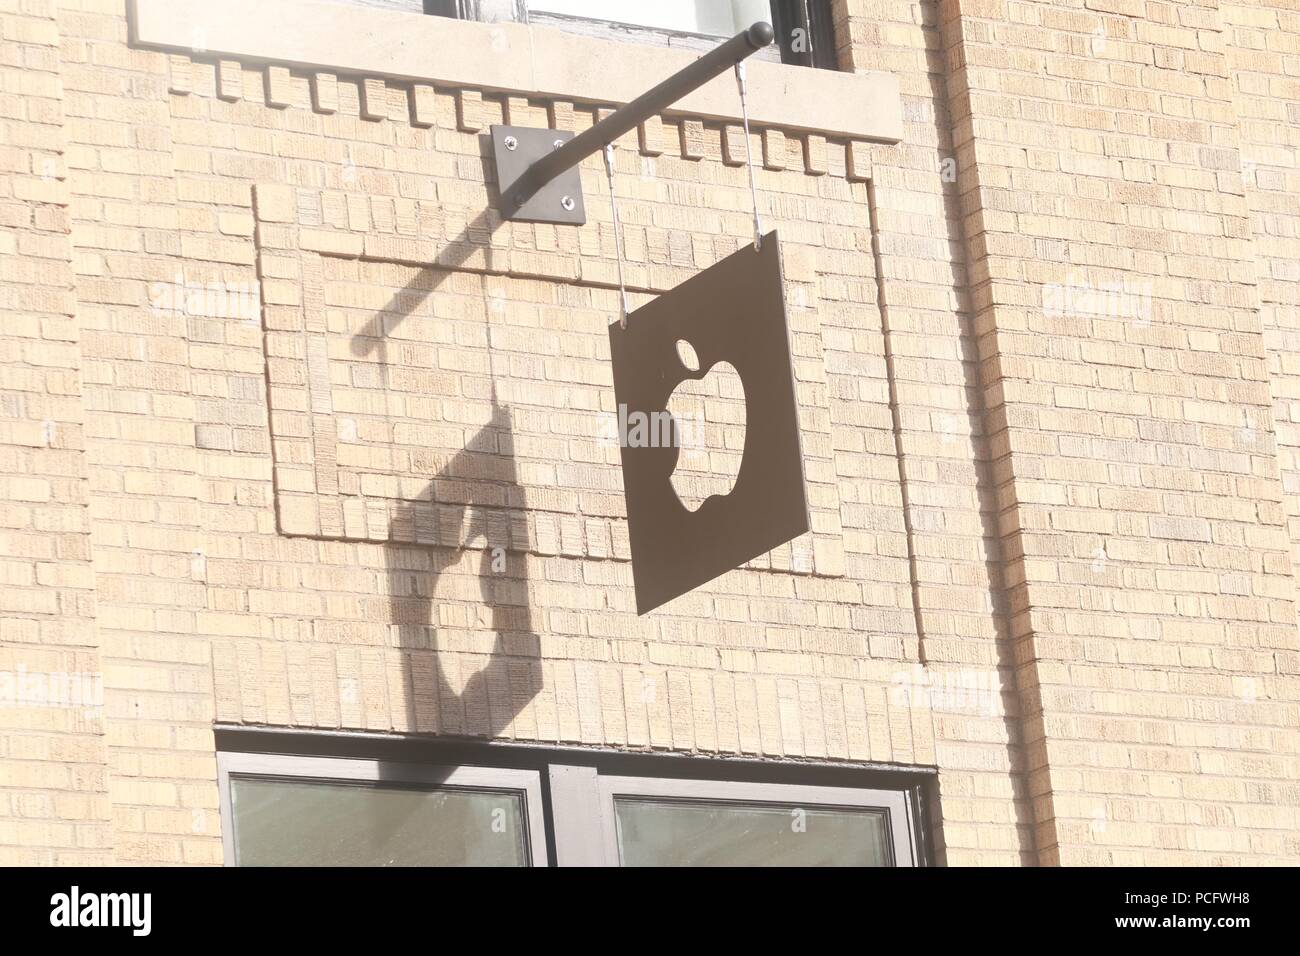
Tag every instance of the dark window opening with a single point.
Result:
(805, 34)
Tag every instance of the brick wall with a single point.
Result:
(1124, 364)
(346, 459)
(53, 762)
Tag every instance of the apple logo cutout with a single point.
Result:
(709, 423)
(695, 367)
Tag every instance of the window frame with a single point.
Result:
(737, 792)
(567, 816)
(580, 794)
(894, 804)
(527, 783)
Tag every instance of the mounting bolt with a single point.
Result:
(557, 144)
(511, 142)
(568, 203)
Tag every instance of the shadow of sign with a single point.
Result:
(458, 597)
(459, 607)
(461, 614)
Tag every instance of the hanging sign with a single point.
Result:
(733, 312)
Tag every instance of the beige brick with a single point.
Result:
(374, 99)
(858, 157)
(733, 146)
(230, 80)
(652, 138)
(275, 203)
(814, 155)
(469, 111)
(423, 105)
(180, 76)
(693, 136)
(278, 89)
(774, 149)
(324, 92)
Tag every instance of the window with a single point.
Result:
(804, 28)
(283, 810)
(708, 17)
(310, 811)
(663, 822)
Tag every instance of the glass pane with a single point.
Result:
(684, 833)
(716, 17)
(311, 823)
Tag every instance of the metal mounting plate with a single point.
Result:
(548, 204)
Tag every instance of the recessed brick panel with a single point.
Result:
(399, 388)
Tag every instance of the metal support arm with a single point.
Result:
(556, 160)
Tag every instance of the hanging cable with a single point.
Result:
(618, 235)
(808, 33)
(749, 155)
